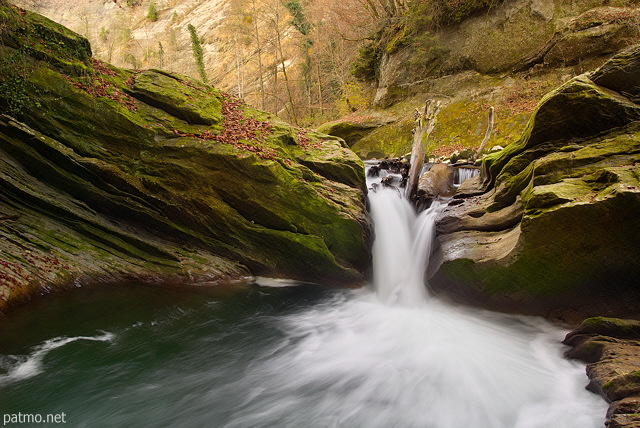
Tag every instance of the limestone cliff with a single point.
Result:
(552, 219)
(108, 173)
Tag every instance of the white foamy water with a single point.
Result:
(402, 247)
(462, 174)
(24, 367)
(395, 357)
(356, 362)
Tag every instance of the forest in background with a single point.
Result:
(308, 61)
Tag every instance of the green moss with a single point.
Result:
(149, 187)
(187, 100)
(367, 66)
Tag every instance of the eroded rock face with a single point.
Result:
(551, 220)
(611, 347)
(513, 36)
(108, 173)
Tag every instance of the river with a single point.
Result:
(276, 353)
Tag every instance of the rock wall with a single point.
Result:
(513, 36)
(551, 222)
(507, 57)
(108, 173)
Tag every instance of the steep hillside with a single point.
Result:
(506, 55)
(291, 58)
(108, 173)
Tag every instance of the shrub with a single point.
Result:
(366, 68)
(152, 12)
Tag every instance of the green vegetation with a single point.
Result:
(196, 47)
(299, 20)
(367, 66)
(152, 12)
(160, 54)
(14, 73)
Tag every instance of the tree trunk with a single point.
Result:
(320, 100)
(487, 134)
(259, 47)
(423, 125)
(292, 110)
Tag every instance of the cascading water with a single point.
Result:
(402, 247)
(294, 357)
(461, 174)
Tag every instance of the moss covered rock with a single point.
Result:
(109, 173)
(462, 120)
(560, 206)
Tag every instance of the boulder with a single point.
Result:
(352, 129)
(109, 173)
(611, 348)
(549, 223)
(437, 181)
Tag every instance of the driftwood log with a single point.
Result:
(422, 127)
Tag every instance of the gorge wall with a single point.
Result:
(507, 56)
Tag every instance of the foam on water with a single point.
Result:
(357, 362)
(24, 367)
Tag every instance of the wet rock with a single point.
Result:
(388, 181)
(374, 171)
(608, 345)
(437, 181)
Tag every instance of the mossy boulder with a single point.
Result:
(604, 326)
(190, 100)
(560, 206)
(109, 173)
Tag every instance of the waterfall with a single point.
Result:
(461, 174)
(275, 355)
(402, 246)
